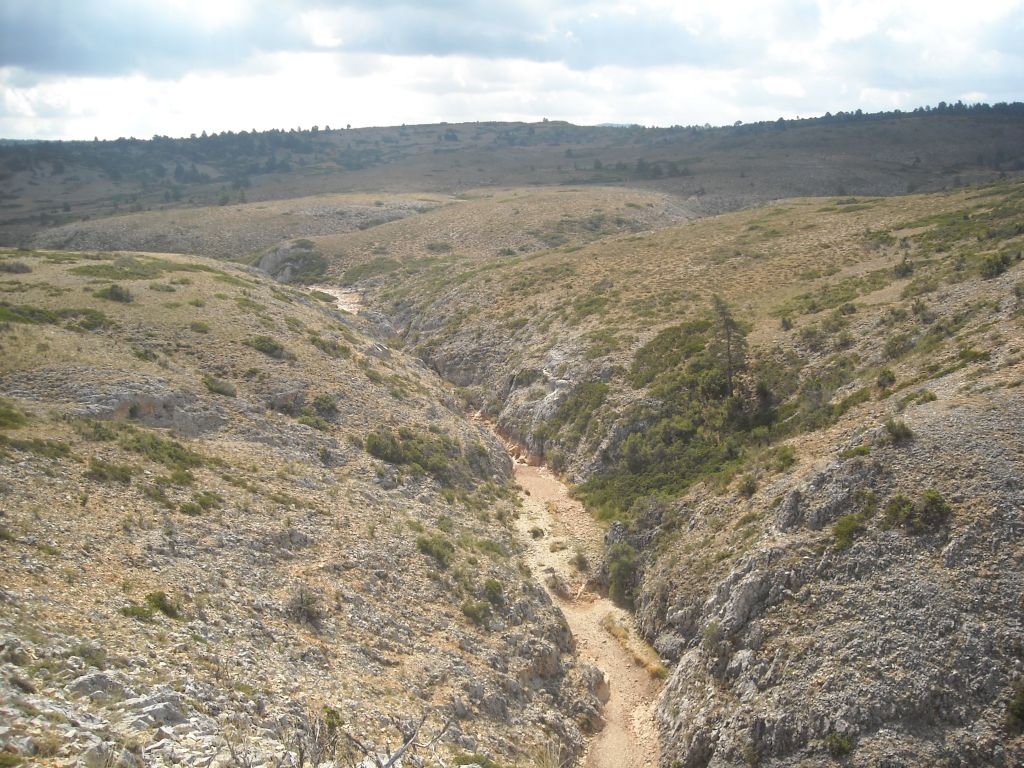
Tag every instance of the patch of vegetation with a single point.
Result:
(10, 416)
(23, 313)
(835, 294)
(898, 431)
(849, 526)
(838, 745)
(494, 592)
(49, 449)
(477, 611)
(307, 266)
(198, 326)
(159, 601)
(576, 411)
(137, 612)
(310, 419)
(219, 386)
(305, 605)
(330, 347)
(161, 450)
(438, 455)
(270, 347)
(437, 547)
(95, 430)
(87, 319)
(995, 264)
(929, 513)
(623, 567)
(15, 267)
(1015, 711)
(115, 292)
(109, 472)
(699, 422)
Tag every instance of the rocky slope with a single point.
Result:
(839, 577)
(233, 526)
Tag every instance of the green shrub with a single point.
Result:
(270, 347)
(898, 431)
(904, 268)
(846, 529)
(886, 378)
(10, 416)
(115, 292)
(748, 485)
(22, 313)
(784, 457)
(209, 499)
(579, 561)
(995, 264)
(437, 547)
(494, 592)
(929, 513)
(440, 456)
(1015, 711)
(310, 419)
(477, 611)
(161, 450)
(325, 406)
(50, 449)
(330, 347)
(190, 508)
(137, 612)
(198, 326)
(305, 605)
(106, 472)
(15, 267)
(219, 386)
(370, 269)
(159, 601)
(838, 745)
(623, 565)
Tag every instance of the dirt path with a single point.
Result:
(629, 738)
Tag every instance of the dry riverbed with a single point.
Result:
(563, 537)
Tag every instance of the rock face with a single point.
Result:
(901, 649)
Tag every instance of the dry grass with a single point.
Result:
(643, 654)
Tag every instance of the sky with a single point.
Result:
(78, 69)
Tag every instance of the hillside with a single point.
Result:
(794, 537)
(201, 540)
(713, 169)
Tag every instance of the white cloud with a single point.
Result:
(238, 65)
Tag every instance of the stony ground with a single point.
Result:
(200, 555)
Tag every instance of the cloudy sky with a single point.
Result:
(109, 68)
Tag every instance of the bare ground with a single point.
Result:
(629, 737)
